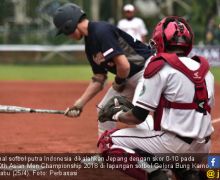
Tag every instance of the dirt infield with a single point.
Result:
(55, 133)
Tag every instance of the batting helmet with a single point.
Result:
(67, 17)
(172, 32)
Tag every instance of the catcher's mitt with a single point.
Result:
(113, 106)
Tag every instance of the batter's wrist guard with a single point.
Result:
(119, 80)
(119, 84)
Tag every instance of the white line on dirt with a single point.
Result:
(215, 121)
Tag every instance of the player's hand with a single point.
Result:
(113, 108)
(75, 110)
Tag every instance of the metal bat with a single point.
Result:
(18, 109)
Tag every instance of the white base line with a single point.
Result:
(215, 121)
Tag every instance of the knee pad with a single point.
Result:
(119, 156)
(105, 141)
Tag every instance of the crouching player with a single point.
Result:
(179, 91)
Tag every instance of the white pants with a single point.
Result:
(133, 89)
(157, 141)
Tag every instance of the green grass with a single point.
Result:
(57, 72)
(10, 72)
(216, 73)
(46, 73)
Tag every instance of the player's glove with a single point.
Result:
(112, 107)
(75, 110)
(119, 84)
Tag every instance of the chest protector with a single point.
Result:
(200, 100)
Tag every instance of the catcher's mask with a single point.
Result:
(67, 17)
(172, 33)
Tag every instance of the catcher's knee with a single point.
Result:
(120, 156)
(105, 141)
(106, 145)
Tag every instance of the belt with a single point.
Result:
(189, 140)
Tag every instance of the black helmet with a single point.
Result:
(67, 17)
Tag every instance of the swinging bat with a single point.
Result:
(18, 109)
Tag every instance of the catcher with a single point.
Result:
(108, 49)
(180, 92)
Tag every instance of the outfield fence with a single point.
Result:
(72, 53)
(212, 53)
(26, 53)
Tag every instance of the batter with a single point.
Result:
(108, 49)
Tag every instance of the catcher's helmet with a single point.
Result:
(67, 17)
(172, 32)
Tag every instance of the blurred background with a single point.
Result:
(27, 31)
(40, 70)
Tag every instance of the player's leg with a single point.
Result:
(148, 124)
(202, 148)
(150, 141)
(129, 159)
(155, 142)
(128, 92)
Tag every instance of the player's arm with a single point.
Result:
(95, 86)
(113, 52)
(122, 66)
(122, 71)
(135, 116)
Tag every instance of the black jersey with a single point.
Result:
(105, 41)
